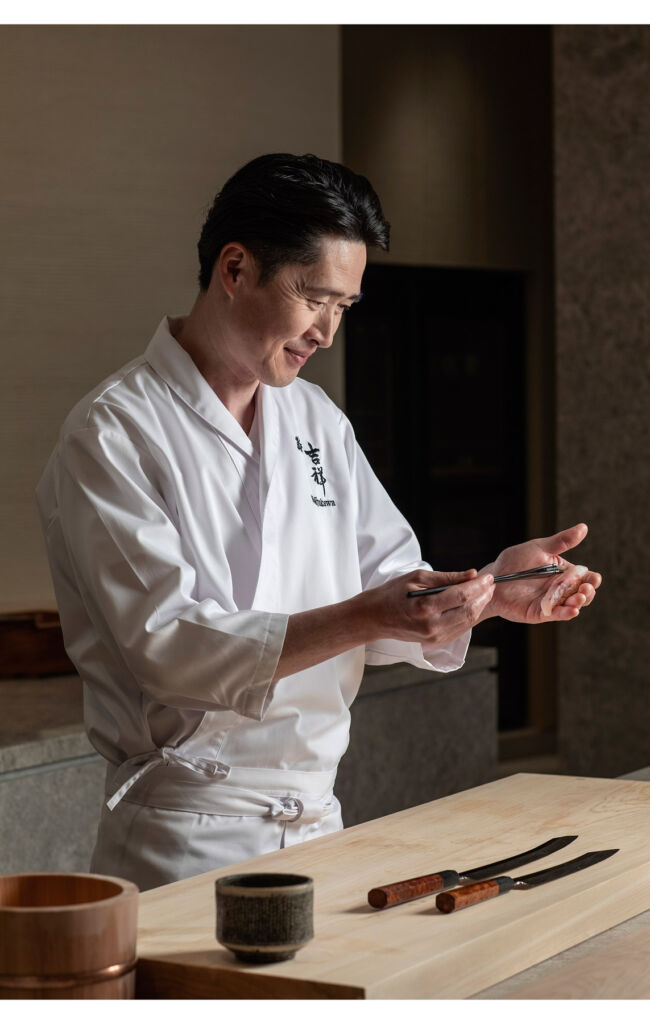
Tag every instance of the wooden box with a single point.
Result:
(32, 645)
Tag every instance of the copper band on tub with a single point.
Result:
(66, 980)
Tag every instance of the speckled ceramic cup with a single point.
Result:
(262, 918)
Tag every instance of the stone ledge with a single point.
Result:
(47, 714)
(381, 678)
(47, 750)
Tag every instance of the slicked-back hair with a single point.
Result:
(281, 206)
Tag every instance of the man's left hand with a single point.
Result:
(521, 600)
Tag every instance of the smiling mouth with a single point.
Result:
(298, 357)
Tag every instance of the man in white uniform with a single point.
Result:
(225, 560)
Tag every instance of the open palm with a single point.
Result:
(521, 600)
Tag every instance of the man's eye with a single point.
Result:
(344, 309)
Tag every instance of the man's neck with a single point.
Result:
(195, 333)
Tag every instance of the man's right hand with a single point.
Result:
(434, 620)
(385, 612)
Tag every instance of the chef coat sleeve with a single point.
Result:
(136, 584)
(388, 548)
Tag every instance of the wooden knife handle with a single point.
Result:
(468, 895)
(411, 889)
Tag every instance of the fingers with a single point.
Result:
(571, 608)
(463, 594)
(565, 539)
(479, 589)
(592, 578)
(446, 616)
(445, 579)
(563, 613)
(582, 597)
(423, 579)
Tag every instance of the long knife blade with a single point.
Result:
(468, 895)
(560, 870)
(487, 870)
(395, 893)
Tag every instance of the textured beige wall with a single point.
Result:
(114, 142)
(602, 132)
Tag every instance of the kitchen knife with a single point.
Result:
(425, 885)
(467, 895)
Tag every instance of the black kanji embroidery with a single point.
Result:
(313, 454)
(319, 477)
(318, 472)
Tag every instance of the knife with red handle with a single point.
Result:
(394, 893)
(468, 895)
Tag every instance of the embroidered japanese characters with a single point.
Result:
(317, 471)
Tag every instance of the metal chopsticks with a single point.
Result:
(552, 569)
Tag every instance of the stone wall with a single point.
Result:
(602, 220)
(416, 736)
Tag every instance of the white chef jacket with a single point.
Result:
(178, 550)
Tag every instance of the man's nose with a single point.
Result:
(323, 329)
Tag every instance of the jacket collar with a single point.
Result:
(178, 370)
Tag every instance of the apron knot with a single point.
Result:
(287, 808)
(305, 809)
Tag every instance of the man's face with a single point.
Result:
(279, 325)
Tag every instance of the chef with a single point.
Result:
(225, 560)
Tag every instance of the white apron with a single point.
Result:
(190, 819)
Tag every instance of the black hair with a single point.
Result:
(280, 206)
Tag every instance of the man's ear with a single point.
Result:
(234, 266)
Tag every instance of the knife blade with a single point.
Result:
(468, 895)
(394, 893)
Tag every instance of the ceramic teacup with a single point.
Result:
(262, 918)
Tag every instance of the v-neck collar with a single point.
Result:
(180, 372)
(269, 435)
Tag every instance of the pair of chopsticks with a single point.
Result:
(552, 569)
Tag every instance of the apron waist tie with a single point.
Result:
(166, 755)
(284, 795)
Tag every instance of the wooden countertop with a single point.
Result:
(611, 965)
(413, 951)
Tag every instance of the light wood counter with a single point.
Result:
(612, 965)
(413, 951)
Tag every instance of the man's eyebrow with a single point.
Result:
(337, 295)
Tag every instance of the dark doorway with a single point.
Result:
(435, 385)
